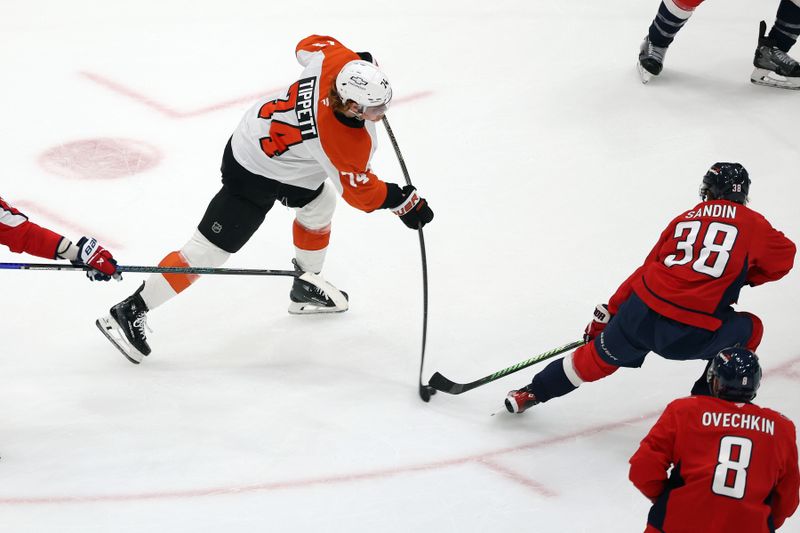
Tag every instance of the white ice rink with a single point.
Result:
(551, 170)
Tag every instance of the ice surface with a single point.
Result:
(551, 170)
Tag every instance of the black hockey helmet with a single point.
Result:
(726, 181)
(734, 375)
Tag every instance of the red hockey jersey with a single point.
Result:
(21, 235)
(703, 259)
(734, 468)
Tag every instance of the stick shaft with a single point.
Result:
(424, 391)
(439, 382)
(397, 150)
(154, 269)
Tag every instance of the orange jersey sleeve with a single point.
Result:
(349, 150)
(348, 145)
(312, 44)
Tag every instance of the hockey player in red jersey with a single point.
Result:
(772, 64)
(678, 303)
(316, 139)
(733, 464)
(23, 236)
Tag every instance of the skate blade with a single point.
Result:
(301, 308)
(644, 75)
(110, 329)
(769, 78)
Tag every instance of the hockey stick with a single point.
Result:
(155, 269)
(439, 382)
(315, 279)
(425, 391)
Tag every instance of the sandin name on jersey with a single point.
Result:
(714, 210)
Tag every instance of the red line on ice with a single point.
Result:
(171, 112)
(78, 231)
(517, 477)
(163, 108)
(484, 459)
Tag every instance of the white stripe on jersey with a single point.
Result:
(7, 218)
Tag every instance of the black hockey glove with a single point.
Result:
(413, 210)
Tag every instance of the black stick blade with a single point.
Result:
(439, 382)
(425, 392)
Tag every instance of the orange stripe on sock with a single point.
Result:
(178, 282)
(311, 239)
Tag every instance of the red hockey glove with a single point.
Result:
(414, 211)
(598, 323)
(90, 253)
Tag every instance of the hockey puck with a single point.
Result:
(425, 392)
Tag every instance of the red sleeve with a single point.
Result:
(21, 235)
(624, 290)
(655, 455)
(773, 257)
(786, 494)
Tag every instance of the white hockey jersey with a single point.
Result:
(296, 139)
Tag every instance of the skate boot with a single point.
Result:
(124, 326)
(311, 294)
(651, 60)
(518, 401)
(773, 66)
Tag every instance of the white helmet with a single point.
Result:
(363, 83)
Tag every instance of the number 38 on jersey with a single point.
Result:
(706, 246)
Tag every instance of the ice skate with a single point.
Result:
(651, 60)
(518, 401)
(311, 294)
(773, 66)
(124, 326)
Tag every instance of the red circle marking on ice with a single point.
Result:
(101, 158)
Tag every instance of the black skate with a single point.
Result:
(651, 60)
(124, 326)
(311, 294)
(773, 66)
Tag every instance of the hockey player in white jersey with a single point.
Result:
(773, 66)
(316, 139)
